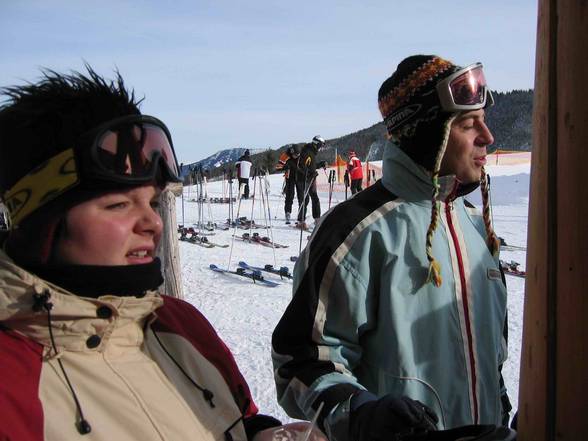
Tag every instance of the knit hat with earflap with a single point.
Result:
(416, 122)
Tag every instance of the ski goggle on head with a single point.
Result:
(465, 90)
(131, 150)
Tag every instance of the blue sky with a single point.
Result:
(261, 74)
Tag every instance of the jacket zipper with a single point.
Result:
(464, 296)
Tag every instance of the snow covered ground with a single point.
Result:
(245, 314)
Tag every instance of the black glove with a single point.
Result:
(322, 164)
(388, 417)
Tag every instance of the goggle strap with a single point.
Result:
(55, 176)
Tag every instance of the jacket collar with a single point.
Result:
(412, 183)
(74, 319)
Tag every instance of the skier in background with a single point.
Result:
(290, 169)
(306, 180)
(243, 166)
(355, 171)
(87, 343)
(397, 321)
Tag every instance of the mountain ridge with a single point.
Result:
(509, 120)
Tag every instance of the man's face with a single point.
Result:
(466, 149)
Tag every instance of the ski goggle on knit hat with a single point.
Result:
(465, 90)
(461, 91)
(130, 150)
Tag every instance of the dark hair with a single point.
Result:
(39, 120)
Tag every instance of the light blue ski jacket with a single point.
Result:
(363, 317)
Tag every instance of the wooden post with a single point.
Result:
(553, 395)
(169, 251)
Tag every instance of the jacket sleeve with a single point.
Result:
(316, 343)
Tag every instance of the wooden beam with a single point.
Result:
(169, 252)
(554, 363)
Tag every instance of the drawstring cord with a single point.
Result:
(208, 395)
(41, 301)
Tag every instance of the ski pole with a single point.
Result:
(230, 197)
(331, 182)
(210, 216)
(252, 201)
(265, 203)
(304, 202)
(183, 222)
(234, 231)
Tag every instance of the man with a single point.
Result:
(88, 344)
(290, 169)
(243, 166)
(355, 172)
(306, 180)
(399, 306)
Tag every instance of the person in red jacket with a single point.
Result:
(355, 171)
(88, 344)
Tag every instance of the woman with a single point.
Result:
(89, 349)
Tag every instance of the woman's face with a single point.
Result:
(118, 228)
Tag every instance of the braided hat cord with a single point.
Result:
(434, 275)
(491, 239)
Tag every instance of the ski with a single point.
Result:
(255, 276)
(512, 268)
(209, 226)
(204, 240)
(262, 240)
(246, 238)
(307, 229)
(241, 223)
(508, 247)
(198, 239)
(512, 248)
(282, 271)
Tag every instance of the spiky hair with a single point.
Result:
(39, 120)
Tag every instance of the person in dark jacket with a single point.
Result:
(290, 169)
(88, 346)
(243, 166)
(306, 180)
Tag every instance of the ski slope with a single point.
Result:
(245, 314)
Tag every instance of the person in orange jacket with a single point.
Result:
(355, 172)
